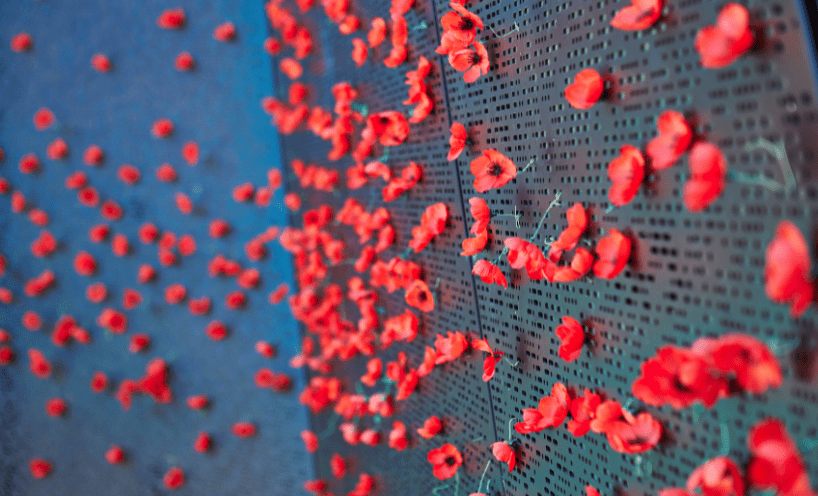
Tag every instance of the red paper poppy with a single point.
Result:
(31, 320)
(586, 89)
(504, 453)
(431, 427)
(776, 462)
(473, 246)
(397, 436)
(146, 273)
(110, 210)
(75, 180)
(225, 32)
(291, 68)
(317, 487)
(101, 63)
(99, 382)
(21, 42)
(216, 331)
(482, 215)
(473, 60)
(678, 377)
(55, 407)
(174, 478)
(310, 441)
(627, 171)
(171, 19)
(636, 435)
(115, 455)
(432, 222)
(272, 46)
(38, 364)
(591, 491)
(489, 273)
(197, 402)
(57, 149)
(492, 170)
(175, 293)
(337, 465)
(128, 174)
(43, 119)
(550, 412)
(184, 62)
(722, 44)
(583, 411)
(114, 321)
(788, 269)
(390, 127)
(419, 296)
(396, 56)
(377, 33)
(673, 140)
(190, 152)
(39, 468)
(489, 362)
(719, 476)
(370, 437)
(138, 343)
(445, 461)
(243, 429)
(708, 176)
(93, 155)
(752, 363)
(6, 355)
(29, 164)
(572, 337)
(461, 23)
(162, 128)
(613, 252)
(524, 254)
(202, 442)
(96, 292)
(449, 348)
(359, 51)
(641, 14)
(457, 141)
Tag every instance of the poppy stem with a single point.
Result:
(488, 486)
(509, 428)
(362, 108)
(331, 425)
(554, 203)
(516, 28)
(478, 439)
(385, 156)
(529, 164)
(420, 27)
(456, 482)
(437, 283)
(724, 429)
(509, 362)
(610, 209)
(648, 470)
(497, 260)
(439, 488)
(779, 151)
(516, 216)
(359, 389)
(480, 484)
(406, 253)
(759, 179)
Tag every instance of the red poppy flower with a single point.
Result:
(583, 411)
(291, 68)
(504, 453)
(461, 23)
(480, 211)
(449, 348)
(55, 407)
(409, 176)
(641, 14)
(591, 491)
(432, 222)
(162, 128)
(492, 170)
(202, 442)
(114, 455)
(636, 435)
(21, 42)
(38, 364)
(431, 427)
(717, 477)
(138, 343)
(39, 468)
(29, 163)
(174, 478)
(445, 461)
(75, 180)
(550, 412)
(788, 269)
(184, 62)
(216, 330)
(370, 437)
(473, 246)
(6, 355)
(755, 367)
(722, 44)
(337, 465)
(390, 127)
(197, 402)
(457, 141)
(572, 337)
(377, 33)
(524, 254)
(99, 382)
(190, 152)
(586, 89)
(419, 296)
(397, 436)
(101, 63)
(93, 155)
(473, 60)
(613, 252)
(278, 294)
(708, 176)
(490, 362)
(627, 171)
(776, 462)
(678, 377)
(449, 42)
(225, 32)
(489, 273)
(128, 174)
(32, 321)
(146, 273)
(43, 119)
(171, 19)
(673, 140)
(57, 149)
(243, 429)
(310, 441)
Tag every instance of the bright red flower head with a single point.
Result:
(397, 436)
(43, 119)
(641, 14)
(21, 42)
(473, 60)
(550, 412)
(432, 222)
(752, 363)
(788, 269)
(377, 32)
(473, 246)
(359, 51)
(225, 32)
(419, 296)
(482, 215)
(635, 435)
(457, 141)
(627, 171)
(115, 455)
(504, 453)
(586, 89)
(101, 63)
(391, 127)
(489, 273)
(673, 140)
(776, 462)
(722, 44)
(717, 477)
(613, 251)
(461, 23)
(490, 362)
(39, 468)
(492, 170)
(445, 461)
(522, 253)
(572, 337)
(174, 478)
(708, 176)
(431, 427)
(171, 19)
(310, 441)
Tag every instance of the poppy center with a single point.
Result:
(495, 169)
(422, 296)
(474, 58)
(450, 460)
(466, 24)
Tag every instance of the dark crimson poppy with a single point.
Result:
(101, 63)
(115, 455)
(55, 407)
(474, 60)
(445, 461)
(722, 44)
(550, 412)
(504, 453)
(635, 435)
(39, 468)
(613, 252)
(639, 15)
(673, 140)
(21, 42)
(788, 269)
(776, 463)
(174, 478)
(431, 427)
(678, 377)
(225, 32)
(377, 33)
(586, 89)
(708, 176)
(489, 273)
(719, 476)
(572, 337)
(171, 19)
(627, 171)
(184, 62)
(492, 170)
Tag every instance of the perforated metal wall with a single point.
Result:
(692, 274)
